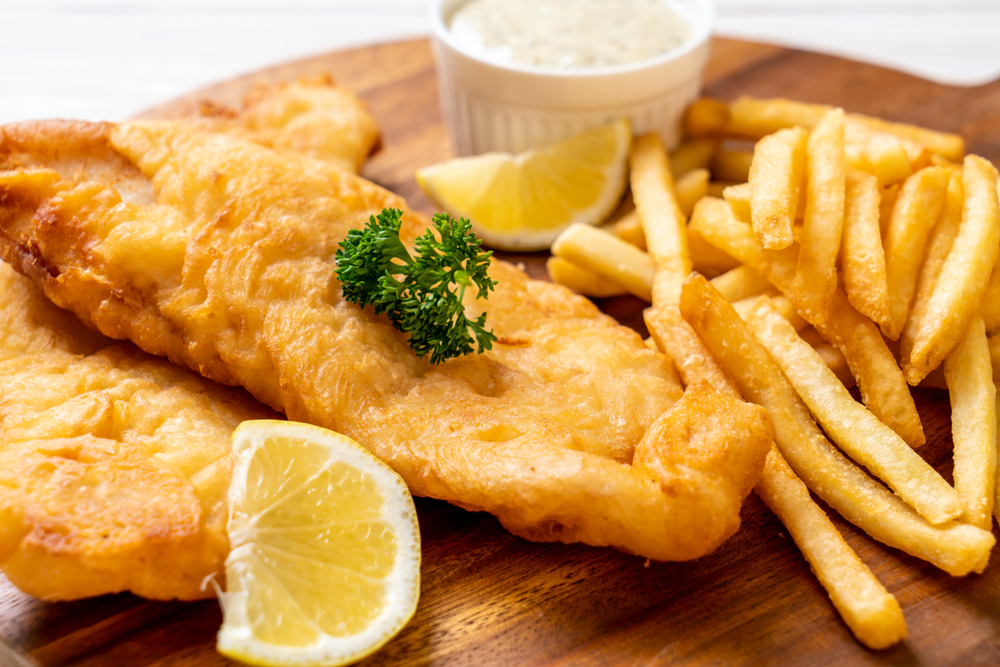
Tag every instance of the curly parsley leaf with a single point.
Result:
(421, 296)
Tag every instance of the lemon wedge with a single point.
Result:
(324, 562)
(523, 201)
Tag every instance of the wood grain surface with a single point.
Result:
(489, 598)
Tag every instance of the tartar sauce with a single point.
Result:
(568, 33)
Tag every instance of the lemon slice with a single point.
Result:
(522, 202)
(324, 562)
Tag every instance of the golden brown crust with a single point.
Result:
(231, 272)
(310, 116)
(113, 465)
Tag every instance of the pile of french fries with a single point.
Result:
(841, 249)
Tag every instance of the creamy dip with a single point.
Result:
(568, 33)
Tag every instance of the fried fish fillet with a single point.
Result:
(311, 116)
(219, 254)
(114, 465)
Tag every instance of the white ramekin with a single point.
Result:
(512, 107)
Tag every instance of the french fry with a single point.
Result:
(716, 188)
(731, 165)
(994, 346)
(663, 222)
(855, 430)
(752, 118)
(950, 146)
(956, 548)
(879, 378)
(787, 309)
(917, 208)
(831, 356)
(691, 187)
(885, 207)
(969, 374)
(870, 142)
(781, 303)
(706, 118)
(964, 276)
(706, 259)
(870, 611)
(607, 255)
(665, 229)
(738, 197)
(938, 246)
(580, 280)
(740, 283)
(776, 175)
(692, 154)
(629, 229)
(862, 257)
(876, 153)
(990, 308)
(823, 225)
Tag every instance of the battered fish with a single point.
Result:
(218, 253)
(114, 465)
(313, 117)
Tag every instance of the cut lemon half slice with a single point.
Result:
(522, 202)
(324, 561)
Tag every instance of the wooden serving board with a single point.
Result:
(489, 598)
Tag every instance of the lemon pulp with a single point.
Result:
(523, 201)
(325, 550)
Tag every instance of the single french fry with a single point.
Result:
(776, 176)
(692, 154)
(956, 548)
(917, 208)
(740, 283)
(885, 207)
(691, 187)
(731, 165)
(738, 197)
(752, 118)
(855, 430)
(870, 611)
(948, 145)
(665, 229)
(816, 272)
(969, 374)
(607, 255)
(994, 346)
(883, 388)
(629, 229)
(964, 277)
(938, 246)
(706, 118)
(663, 222)
(580, 280)
(990, 307)
(862, 257)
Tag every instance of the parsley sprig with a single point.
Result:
(417, 294)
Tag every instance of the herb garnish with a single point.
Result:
(375, 269)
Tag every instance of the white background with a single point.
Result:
(108, 59)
